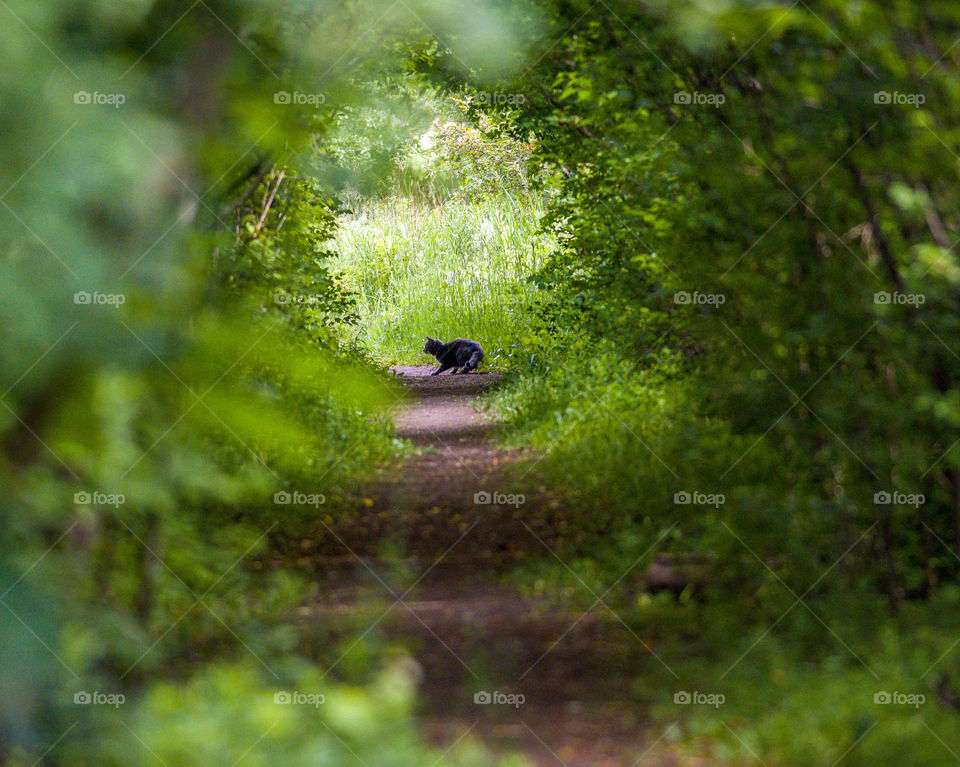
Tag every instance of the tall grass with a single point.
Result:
(459, 269)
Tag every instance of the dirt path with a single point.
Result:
(436, 551)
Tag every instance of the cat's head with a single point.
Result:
(432, 346)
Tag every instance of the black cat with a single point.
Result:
(462, 353)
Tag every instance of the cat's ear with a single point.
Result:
(430, 339)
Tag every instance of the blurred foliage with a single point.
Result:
(753, 293)
(177, 388)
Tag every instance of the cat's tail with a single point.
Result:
(473, 361)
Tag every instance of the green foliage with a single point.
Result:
(459, 270)
(173, 359)
(450, 252)
(479, 162)
(664, 197)
(740, 222)
(230, 712)
(794, 705)
(790, 173)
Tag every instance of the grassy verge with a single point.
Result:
(455, 270)
(768, 677)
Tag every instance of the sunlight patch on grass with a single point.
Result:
(457, 270)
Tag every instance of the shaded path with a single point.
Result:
(433, 553)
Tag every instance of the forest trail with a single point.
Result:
(444, 600)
